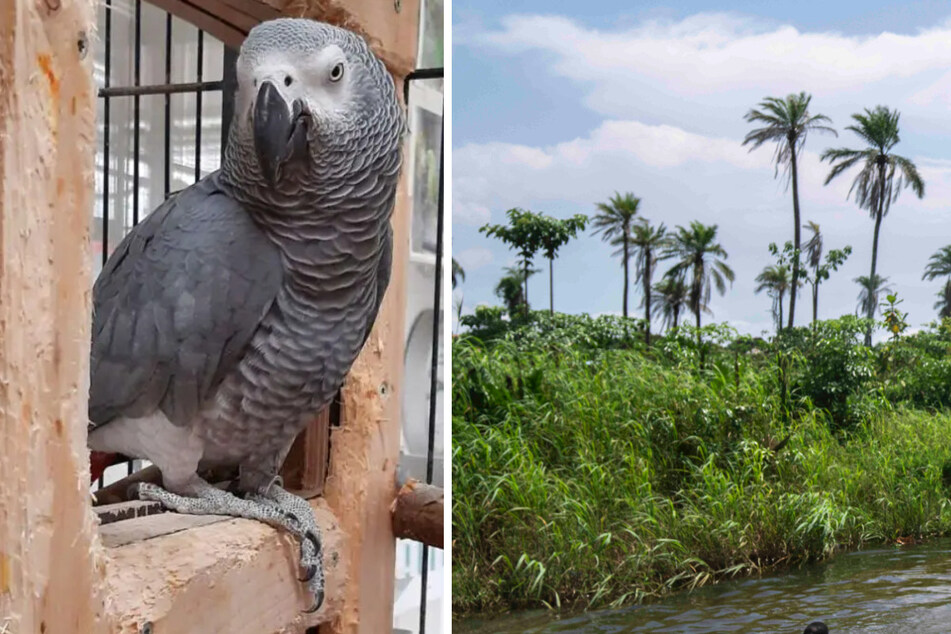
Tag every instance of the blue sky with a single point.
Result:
(560, 104)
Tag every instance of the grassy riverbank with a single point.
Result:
(590, 470)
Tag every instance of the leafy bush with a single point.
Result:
(589, 469)
(489, 324)
(830, 366)
(486, 323)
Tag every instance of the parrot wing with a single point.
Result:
(176, 305)
(382, 278)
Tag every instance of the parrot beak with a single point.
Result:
(280, 133)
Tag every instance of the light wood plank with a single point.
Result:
(50, 572)
(121, 511)
(225, 575)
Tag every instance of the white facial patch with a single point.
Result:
(322, 81)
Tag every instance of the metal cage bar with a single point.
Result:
(421, 74)
(108, 92)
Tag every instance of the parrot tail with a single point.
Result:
(99, 461)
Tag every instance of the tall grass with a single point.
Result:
(595, 477)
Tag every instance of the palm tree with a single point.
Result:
(776, 281)
(458, 273)
(700, 260)
(787, 122)
(458, 276)
(671, 297)
(943, 305)
(614, 222)
(871, 288)
(817, 269)
(939, 265)
(813, 250)
(511, 289)
(647, 242)
(883, 174)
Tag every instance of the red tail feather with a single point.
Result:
(99, 461)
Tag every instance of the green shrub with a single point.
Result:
(830, 367)
(590, 470)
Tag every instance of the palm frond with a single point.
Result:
(939, 264)
(910, 174)
(813, 247)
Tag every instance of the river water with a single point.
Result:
(889, 589)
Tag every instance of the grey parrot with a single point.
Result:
(231, 315)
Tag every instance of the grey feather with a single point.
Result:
(383, 278)
(162, 338)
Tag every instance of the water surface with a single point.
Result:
(889, 589)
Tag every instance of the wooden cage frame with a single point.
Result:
(58, 572)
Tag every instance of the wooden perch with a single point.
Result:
(119, 491)
(216, 574)
(418, 513)
(120, 511)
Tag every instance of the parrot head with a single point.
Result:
(307, 91)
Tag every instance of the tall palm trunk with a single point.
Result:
(676, 315)
(551, 284)
(696, 312)
(795, 203)
(815, 301)
(779, 326)
(624, 308)
(871, 304)
(878, 224)
(525, 309)
(695, 293)
(647, 295)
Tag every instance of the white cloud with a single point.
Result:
(473, 259)
(469, 213)
(574, 168)
(716, 53)
(658, 145)
(709, 69)
(521, 155)
(937, 93)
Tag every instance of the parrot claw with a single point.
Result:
(311, 570)
(298, 514)
(318, 547)
(273, 505)
(318, 601)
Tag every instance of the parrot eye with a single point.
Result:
(288, 80)
(336, 72)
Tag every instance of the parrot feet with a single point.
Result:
(311, 546)
(272, 505)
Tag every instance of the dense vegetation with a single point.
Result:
(589, 469)
(595, 462)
